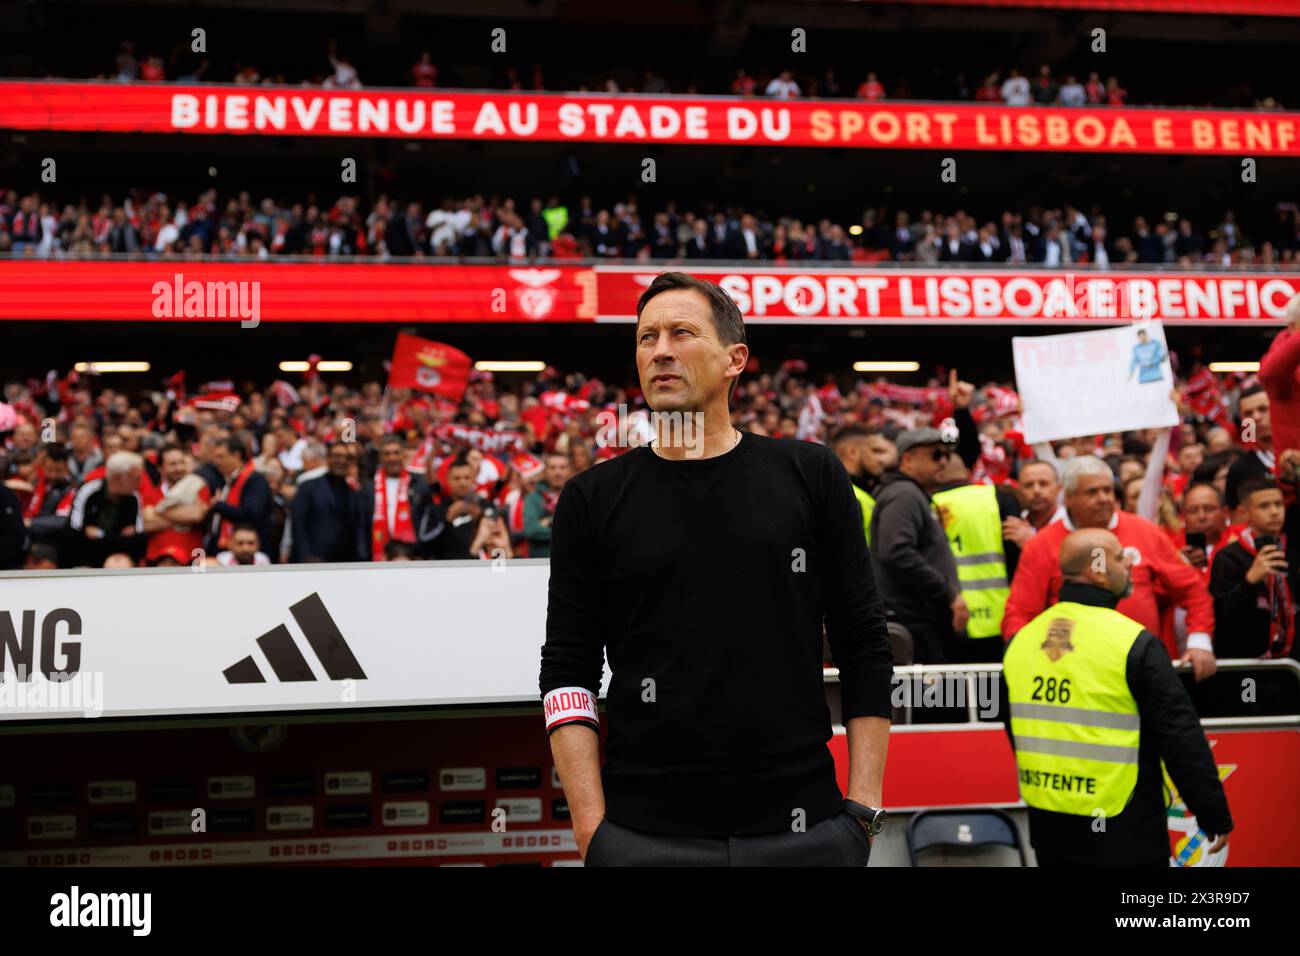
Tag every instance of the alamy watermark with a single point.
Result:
(179, 299)
(978, 690)
(619, 428)
(80, 692)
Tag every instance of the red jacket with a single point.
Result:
(1279, 372)
(1038, 578)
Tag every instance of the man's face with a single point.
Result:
(224, 459)
(1218, 440)
(125, 483)
(244, 546)
(339, 460)
(878, 454)
(1266, 511)
(1190, 458)
(1093, 503)
(25, 436)
(1203, 513)
(175, 466)
(558, 470)
(391, 459)
(1040, 486)
(679, 357)
(1254, 408)
(56, 469)
(1129, 470)
(80, 438)
(460, 481)
(924, 463)
(1119, 570)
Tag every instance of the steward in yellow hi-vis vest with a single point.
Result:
(868, 505)
(973, 523)
(1074, 720)
(865, 453)
(1095, 706)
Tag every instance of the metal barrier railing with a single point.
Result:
(929, 673)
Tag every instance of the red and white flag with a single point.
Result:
(428, 366)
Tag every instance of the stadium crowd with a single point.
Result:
(1042, 85)
(321, 472)
(153, 224)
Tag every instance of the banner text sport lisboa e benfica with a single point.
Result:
(188, 291)
(556, 117)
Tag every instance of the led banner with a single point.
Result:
(251, 292)
(182, 291)
(708, 121)
(914, 297)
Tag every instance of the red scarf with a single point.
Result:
(33, 507)
(226, 529)
(403, 529)
(1281, 608)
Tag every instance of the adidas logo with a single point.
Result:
(286, 660)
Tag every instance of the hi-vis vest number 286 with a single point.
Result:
(1074, 721)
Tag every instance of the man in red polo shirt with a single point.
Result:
(1279, 373)
(1090, 503)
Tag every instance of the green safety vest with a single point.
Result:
(556, 217)
(868, 505)
(974, 527)
(1073, 717)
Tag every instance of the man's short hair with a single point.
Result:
(1209, 467)
(1080, 465)
(1249, 391)
(852, 431)
(233, 445)
(1254, 485)
(248, 526)
(728, 323)
(395, 550)
(56, 453)
(1056, 472)
(170, 447)
(123, 463)
(1218, 495)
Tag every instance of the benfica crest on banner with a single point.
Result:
(429, 367)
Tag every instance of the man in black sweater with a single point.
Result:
(706, 569)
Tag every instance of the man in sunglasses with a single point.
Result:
(910, 555)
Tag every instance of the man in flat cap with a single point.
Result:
(910, 554)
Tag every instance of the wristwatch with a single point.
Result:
(873, 819)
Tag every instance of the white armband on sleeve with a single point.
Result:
(569, 705)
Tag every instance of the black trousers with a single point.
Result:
(931, 639)
(974, 650)
(837, 841)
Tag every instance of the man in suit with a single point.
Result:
(243, 496)
(331, 519)
(700, 245)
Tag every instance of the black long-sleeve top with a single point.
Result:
(1169, 730)
(707, 582)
